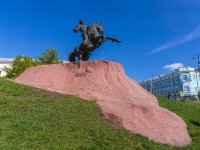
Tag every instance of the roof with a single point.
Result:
(185, 68)
(6, 60)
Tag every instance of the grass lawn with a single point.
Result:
(36, 119)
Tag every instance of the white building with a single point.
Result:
(5, 62)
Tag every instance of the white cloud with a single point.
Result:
(173, 66)
(178, 41)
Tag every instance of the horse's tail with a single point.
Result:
(71, 57)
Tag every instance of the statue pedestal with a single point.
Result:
(121, 99)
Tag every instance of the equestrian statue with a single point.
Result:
(92, 38)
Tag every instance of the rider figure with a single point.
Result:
(83, 28)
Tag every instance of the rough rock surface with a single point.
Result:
(121, 99)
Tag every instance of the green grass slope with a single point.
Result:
(32, 118)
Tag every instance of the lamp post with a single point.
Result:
(197, 70)
(151, 90)
(197, 55)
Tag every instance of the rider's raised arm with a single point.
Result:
(76, 29)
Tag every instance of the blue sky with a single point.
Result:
(156, 35)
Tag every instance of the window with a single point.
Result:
(177, 91)
(163, 93)
(194, 77)
(167, 91)
(177, 78)
(172, 91)
(155, 92)
(186, 89)
(0, 72)
(195, 88)
(166, 80)
(184, 77)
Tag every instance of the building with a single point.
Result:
(182, 84)
(5, 62)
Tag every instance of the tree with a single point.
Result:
(198, 94)
(20, 64)
(49, 57)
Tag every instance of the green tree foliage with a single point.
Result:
(6, 69)
(20, 64)
(49, 57)
(198, 95)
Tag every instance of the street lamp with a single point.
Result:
(197, 70)
(197, 55)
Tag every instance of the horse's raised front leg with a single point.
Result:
(101, 40)
(99, 37)
(113, 39)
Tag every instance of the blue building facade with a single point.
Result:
(182, 84)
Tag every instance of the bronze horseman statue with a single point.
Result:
(92, 38)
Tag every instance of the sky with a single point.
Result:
(157, 36)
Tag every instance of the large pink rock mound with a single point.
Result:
(121, 99)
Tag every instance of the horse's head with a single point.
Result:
(100, 28)
(95, 29)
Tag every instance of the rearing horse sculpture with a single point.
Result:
(95, 40)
